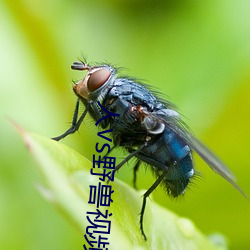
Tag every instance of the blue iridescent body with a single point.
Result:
(148, 127)
(165, 152)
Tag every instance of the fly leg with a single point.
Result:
(127, 158)
(75, 123)
(108, 152)
(145, 196)
(136, 167)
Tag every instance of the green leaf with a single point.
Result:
(67, 178)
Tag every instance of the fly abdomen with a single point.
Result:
(180, 166)
(168, 153)
(178, 176)
(177, 147)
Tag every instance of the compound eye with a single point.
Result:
(97, 79)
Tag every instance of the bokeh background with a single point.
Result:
(197, 53)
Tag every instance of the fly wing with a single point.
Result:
(174, 123)
(207, 155)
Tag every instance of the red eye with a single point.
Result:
(97, 79)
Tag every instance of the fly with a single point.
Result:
(149, 128)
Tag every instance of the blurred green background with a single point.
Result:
(195, 52)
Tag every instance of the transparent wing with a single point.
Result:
(207, 155)
(175, 124)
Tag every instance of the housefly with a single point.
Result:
(149, 128)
